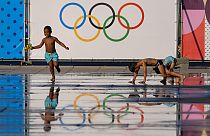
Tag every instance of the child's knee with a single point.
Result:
(55, 64)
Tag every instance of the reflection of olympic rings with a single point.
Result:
(111, 95)
(141, 117)
(93, 111)
(80, 125)
(127, 26)
(123, 111)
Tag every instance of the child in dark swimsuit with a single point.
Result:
(144, 63)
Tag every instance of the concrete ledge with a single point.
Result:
(100, 62)
(4, 69)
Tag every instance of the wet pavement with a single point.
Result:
(101, 102)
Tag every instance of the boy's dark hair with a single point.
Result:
(48, 28)
(47, 128)
(132, 67)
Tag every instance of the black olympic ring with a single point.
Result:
(92, 111)
(113, 12)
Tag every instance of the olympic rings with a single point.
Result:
(69, 4)
(82, 39)
(127, 26)
(113, 12)
(120, 39)
(134, 107)
(142, 12)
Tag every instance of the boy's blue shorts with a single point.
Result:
(51, 56)
(50, 103)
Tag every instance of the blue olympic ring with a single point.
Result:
(69, 4)
(80, 125)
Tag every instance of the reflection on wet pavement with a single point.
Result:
(103, 104)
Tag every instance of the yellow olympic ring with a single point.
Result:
(86, 94)
(83, 39)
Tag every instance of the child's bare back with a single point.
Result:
(150, 61)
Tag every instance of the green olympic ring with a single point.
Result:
(120, 39)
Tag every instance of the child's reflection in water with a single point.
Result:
(50, 103)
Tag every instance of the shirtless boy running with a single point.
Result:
(51, 55)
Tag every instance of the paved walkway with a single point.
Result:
(101, 91)
(91, 102)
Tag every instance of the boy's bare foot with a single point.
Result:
(58, 89)
(171, 81)
(61, 114)
(182, 79)
(53, 79)
(163, 81)
(142, 82)
(131, 82)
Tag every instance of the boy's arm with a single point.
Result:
(38, 46)
(59, 116)
(61, 44)
(172, 66)
(135, 73)
(145, 72)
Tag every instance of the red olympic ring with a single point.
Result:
(139, 7)
(141, 117)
